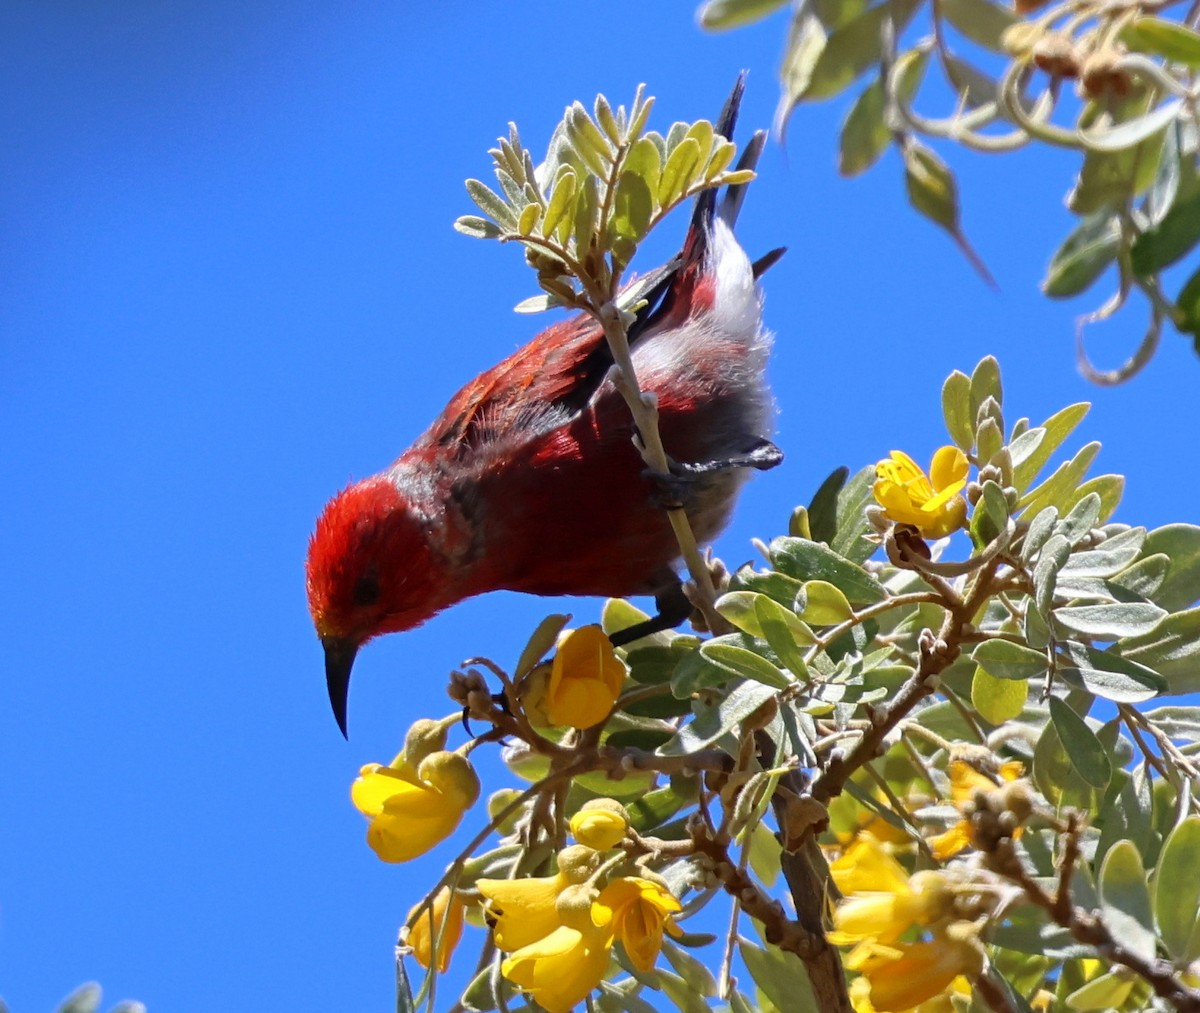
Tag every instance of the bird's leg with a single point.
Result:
(675, 489)
(673, 608)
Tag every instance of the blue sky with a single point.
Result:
(229, 285)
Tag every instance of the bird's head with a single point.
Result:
(370, 570)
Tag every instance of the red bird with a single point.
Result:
(529, 479)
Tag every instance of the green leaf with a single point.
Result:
(849, 542)
(1107, 180)
(1168, 39)
(853, 48)
(806, 42)
(1060, 488)
(781, 976)
(773, 619)
(1110, 556)
(712, 723)
(1172, 649)
(1133, 132)
(1177, 890)
(682, 168)
(932, 190)
(1188, 304)
(1045, 572)
(1040, 530)
(85, 999)
(824, 604)
(956, 408)
(1110, 489)
(1106, 991)
(1055, 775)
(698, 978)
(562, 199)
(1181, 543)
(745, 663)
(985, 383)
(1058, 427)
(1080, 520)
(721, 15)
(1082, 747)
(865, 134)
(973, 87)
(492, 204)
(1110, 622)
(652, 664)
(1172, 238)
(807, 560)
(1083, 257)
(998, 700)
(1109, 675)
(1003, 659)
(1125, 900)
(747, 609)
(633, 205)
(982, 22)
(1176, 721)
(477, 228)
(822, 511)
(539, 643)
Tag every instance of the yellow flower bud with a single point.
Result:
(439, 927)
(424, 736)
(600, 824)
(585, 679)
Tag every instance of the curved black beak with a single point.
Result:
(339, 660)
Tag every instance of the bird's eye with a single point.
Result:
(366, 591)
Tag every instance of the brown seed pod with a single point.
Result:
(1102, 76)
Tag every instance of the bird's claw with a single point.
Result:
(675, 488)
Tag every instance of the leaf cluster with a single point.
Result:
(1131, 118)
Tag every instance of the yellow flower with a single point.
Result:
(560, 969)
(439, 927)
(867, 865)
(412, 810)
(585, 679)
(860, 997)
(905, 975)
(932, 503)
(522, 910)
(965, 781)
(636, 911)
(600, 824)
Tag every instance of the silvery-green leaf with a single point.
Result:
(1109, 675)
(982, 22)
(1110, 489)
(1059, 489)
(1125, 900)
(1089, 757)
(743, 662)
(974, 87)
(1078, 523)
(1177, 891)
(850, 541)
(957, 411)
(854, 47)
(1172, 238)
(1110, 556)
(1040, 529)
(1168, 39)
(711, 723)
(1180, 542)
(1057, 428)
(681, 169)
(1045, 571)
(1085, 255)
(985, 383)
(1172, 649)
(721, 15)
(807, 38)
(865, 134)
(781, 977)
(806, 560)
(1110, 622)
(1132, 132)
(477, 228)
(1005, 659)
(491, 204)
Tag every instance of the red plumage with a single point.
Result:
(529, 480)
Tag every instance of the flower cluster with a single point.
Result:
(911, 942)
(558, 931)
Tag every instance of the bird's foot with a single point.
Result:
(675, 489)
